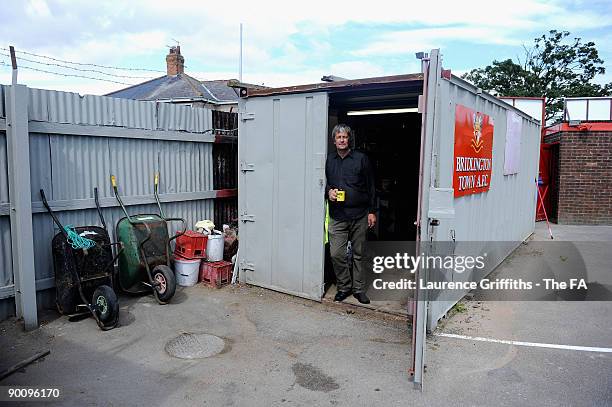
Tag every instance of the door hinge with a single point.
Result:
(244, 116)
(247, 218)
(244, 167)
(245, 265)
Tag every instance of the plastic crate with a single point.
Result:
(191, 245)
(216, 274)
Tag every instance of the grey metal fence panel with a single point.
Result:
(183, 118)
(38, 105)
(78, 165)
(4, 196)
(97, 110)
(43, 232)
(191, 211)
(40, 167)
(131, 113)
(185, 167)
(133, 162)
(67, 107)
(6, 267)
(68, 167)
(64, 107)
(2, 108)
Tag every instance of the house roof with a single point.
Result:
(181, 86)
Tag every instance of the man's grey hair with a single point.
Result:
(342, 128)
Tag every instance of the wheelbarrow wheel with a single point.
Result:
(164, 277)
(106, 305)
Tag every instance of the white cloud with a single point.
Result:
(37, 9)
(399, 42)
(285, 43)
(508, 24)
(117, 46)
(356, 69)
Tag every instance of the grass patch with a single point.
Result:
(460, 307)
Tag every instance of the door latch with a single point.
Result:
(247, 218)
(244, 167)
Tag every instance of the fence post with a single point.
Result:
(18, 149)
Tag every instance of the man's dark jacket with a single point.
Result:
(354, 175)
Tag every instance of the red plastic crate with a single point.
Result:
(216, 274)
(191, 245)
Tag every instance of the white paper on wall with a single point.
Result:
(512, 154)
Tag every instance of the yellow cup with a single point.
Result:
(340, 196)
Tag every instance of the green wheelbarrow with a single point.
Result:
(144, 263)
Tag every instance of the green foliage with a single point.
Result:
(460, 307)
(552, 68)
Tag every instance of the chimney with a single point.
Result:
(175, 63)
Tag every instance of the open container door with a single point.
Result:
(431, 68)
(281, 154)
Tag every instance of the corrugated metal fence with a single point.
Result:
(76, 143)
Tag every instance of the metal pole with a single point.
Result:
(14, 64)
(240, 63)
(18, 147)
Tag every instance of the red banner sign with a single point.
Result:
(473, 152)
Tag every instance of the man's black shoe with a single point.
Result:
(362, 298)
(341, 295)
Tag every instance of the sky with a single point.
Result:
(286, 43)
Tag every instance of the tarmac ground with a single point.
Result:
(272, 349)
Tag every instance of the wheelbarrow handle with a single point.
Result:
(184, 227)
(44, 200)
(98, 208)
(156, 193)
(116, 192)
(170, 239)
(55, 219)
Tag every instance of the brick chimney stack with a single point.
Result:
(175, 63)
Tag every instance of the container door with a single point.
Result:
(281, 153)
(431, 68)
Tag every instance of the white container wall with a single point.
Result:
(506, 212)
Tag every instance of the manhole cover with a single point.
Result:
(195, 346)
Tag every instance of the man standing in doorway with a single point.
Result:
(352, 210)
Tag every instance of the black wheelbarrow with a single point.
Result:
(84, 266)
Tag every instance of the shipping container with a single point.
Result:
(407, 125)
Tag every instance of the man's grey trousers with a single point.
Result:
(340, 232)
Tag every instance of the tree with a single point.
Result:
(552, 68)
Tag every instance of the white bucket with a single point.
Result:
(214, 248)
(186, 271)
